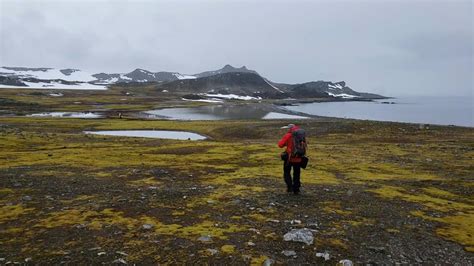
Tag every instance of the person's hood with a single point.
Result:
(291, 130)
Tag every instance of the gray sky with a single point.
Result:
(388, 47)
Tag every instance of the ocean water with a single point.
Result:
(450, 110)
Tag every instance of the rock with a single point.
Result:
(300, 235)
(313, 225)
(268, 262)
(147, 226)
(289, 253)
(207, 238)
(295, 221)
(255, 231)
(26, 198)
(28, 259)
(119, 261)
(101, 253)
(346, 262)
(377, 249)
(250, 243)
(121, 253)
(324, 255)
(212, 251)
(273, 220)
(80, 226)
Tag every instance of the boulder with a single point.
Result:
(300, 235)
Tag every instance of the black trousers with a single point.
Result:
(292, 183)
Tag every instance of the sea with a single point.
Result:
(448, 110)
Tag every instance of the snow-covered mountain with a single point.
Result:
(47, 78)
(227, 80)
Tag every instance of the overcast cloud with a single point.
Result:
(387, 47)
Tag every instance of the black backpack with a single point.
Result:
(299, 143)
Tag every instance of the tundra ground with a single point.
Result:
(373, 192)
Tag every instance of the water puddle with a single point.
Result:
(219, 112)
(275, 115)
(160, 134)
(68, 115)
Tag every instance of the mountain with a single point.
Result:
(239, 83)
(227, 80)
(225, 69)
(141, 75)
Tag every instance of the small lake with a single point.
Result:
(160, 134)
(427, 110)
(67, 115)
(219, 112)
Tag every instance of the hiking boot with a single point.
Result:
(289, 189)
(296, 192)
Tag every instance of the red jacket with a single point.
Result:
(287, 141)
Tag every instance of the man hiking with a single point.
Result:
(295, 142)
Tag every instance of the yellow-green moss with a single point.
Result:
(228, 249)
(13, 212)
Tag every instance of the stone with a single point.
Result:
(346, 262)
(250, 243)
(324, 255)
(207, 238)
(212, 251)
(289, 253)
(121, 253)
(377, 249)
(300, 235)
(119, 261)
(101, 253)
(273, 220)
(147, 226)
(268, 262)
(26, 198)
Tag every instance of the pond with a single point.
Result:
(67, 115)
(160, 134)
(220, 112)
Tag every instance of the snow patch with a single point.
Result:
(232, 96)
(273, 86)
(204, 100)
(181, 76)
(57, 85)
(337, 86)
(342, 95)
(51, 73)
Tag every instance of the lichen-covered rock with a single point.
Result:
(300, 235)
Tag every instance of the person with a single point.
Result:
(290, 161)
